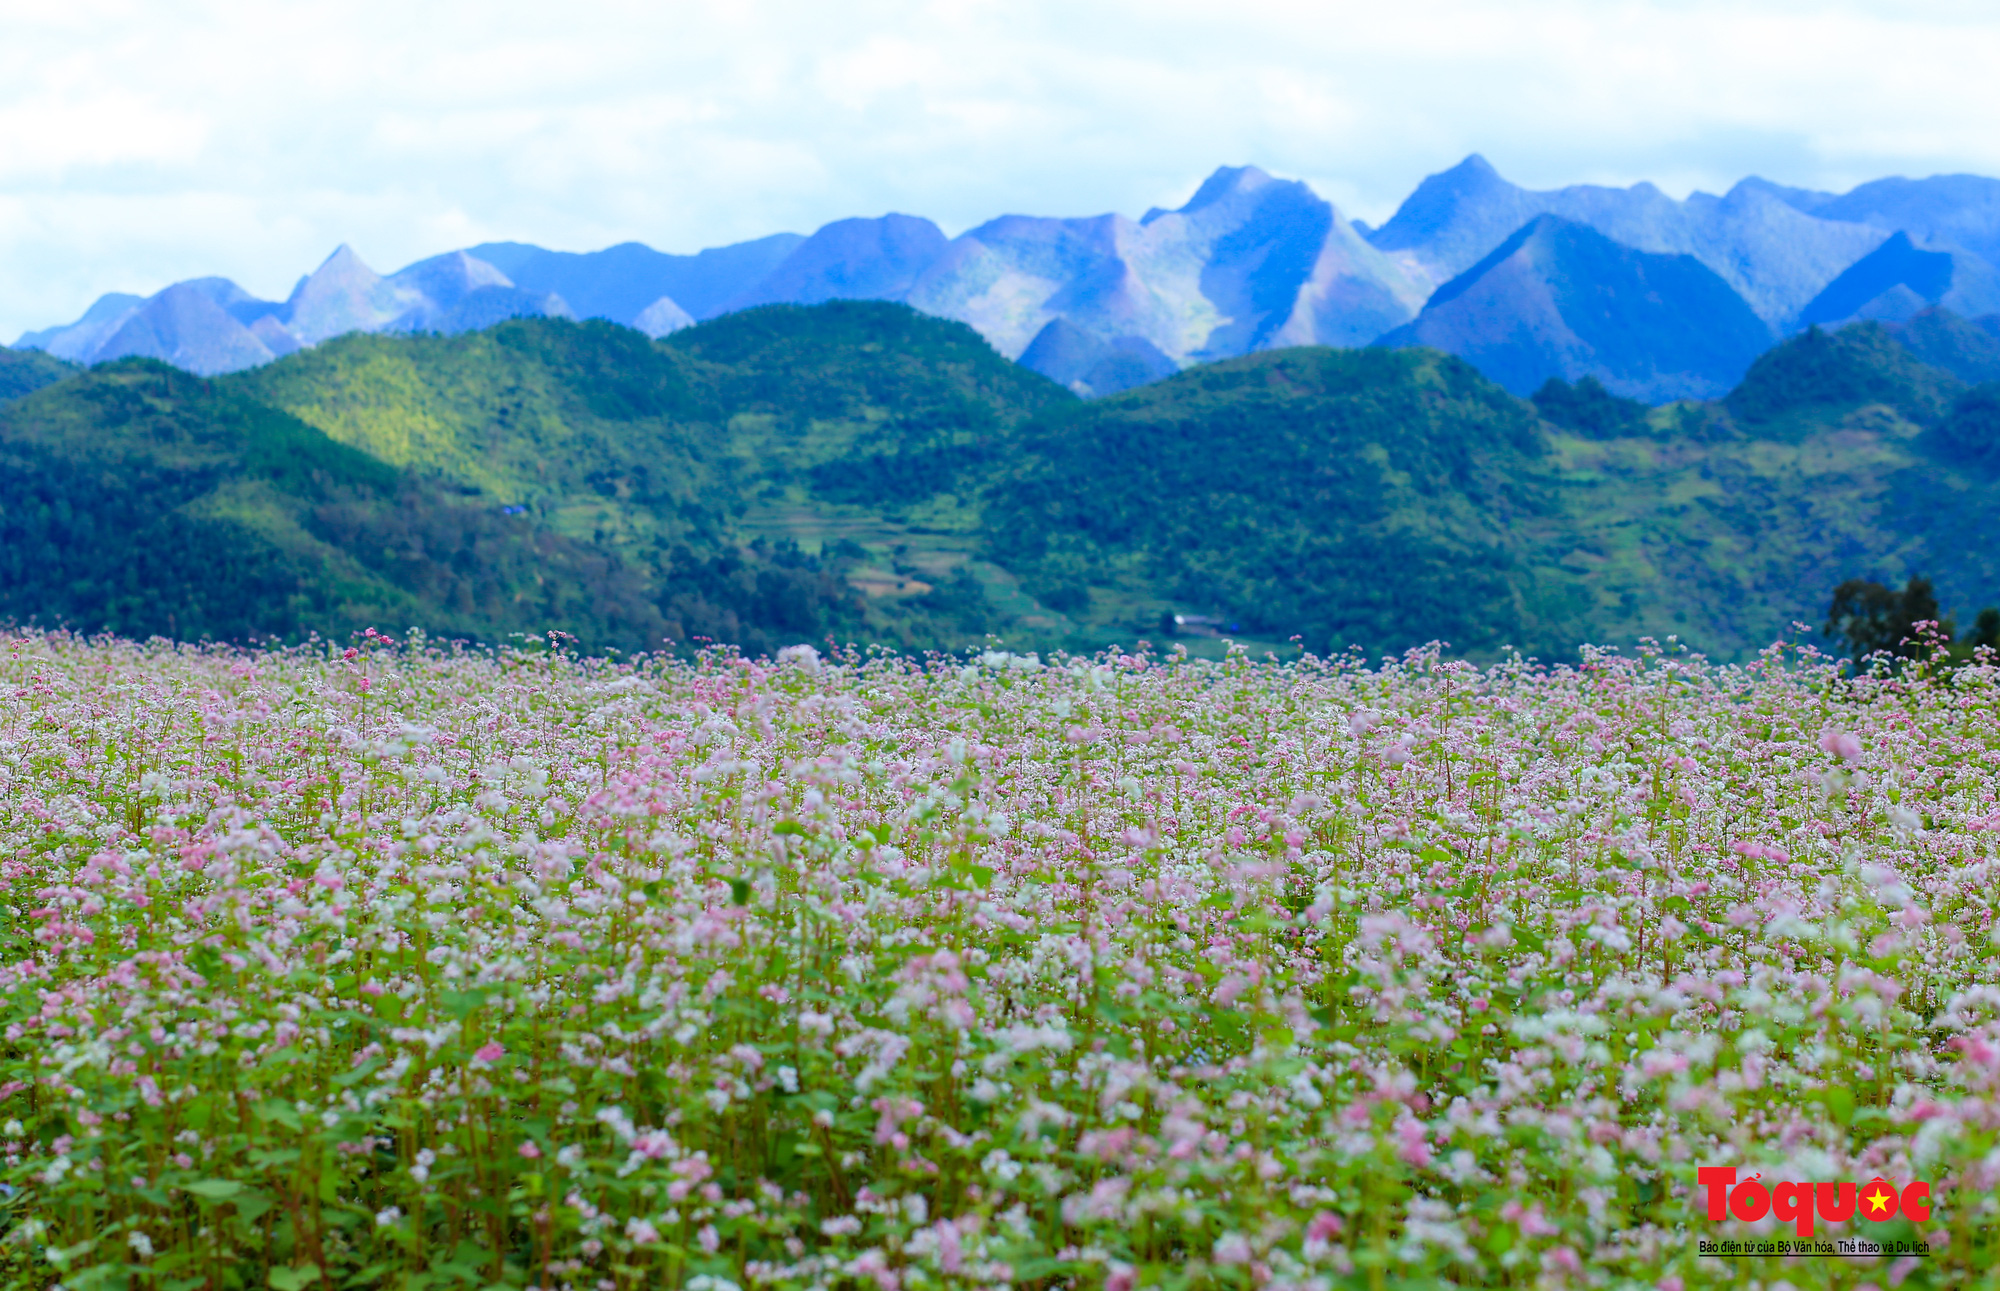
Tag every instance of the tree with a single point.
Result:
(1589, 409)
(1985, 629)
(1872, 618)
(1971, 434)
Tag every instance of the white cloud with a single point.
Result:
(150, 142)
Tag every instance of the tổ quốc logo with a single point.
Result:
(1802, 1204)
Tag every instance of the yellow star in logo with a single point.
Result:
(1877, 1201)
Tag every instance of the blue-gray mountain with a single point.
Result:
(1774, 255)
(1656, 298)
(1559, 298)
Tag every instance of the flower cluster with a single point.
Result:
(404, 965)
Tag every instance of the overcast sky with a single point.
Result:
(145, 141)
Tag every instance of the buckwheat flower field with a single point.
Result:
(407, 966)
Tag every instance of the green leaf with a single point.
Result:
(1038, 1266)
(268, 1159)
(215, 1189)
(463, 1004)
(250, 1206)
(739, 891)
(279, 1110)
(788, 827)
(389, 1007)
(355, 1075)
(294, 1279)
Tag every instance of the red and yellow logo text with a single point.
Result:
(1878, 1200)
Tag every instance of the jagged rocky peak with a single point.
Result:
(344, 295)
(1227, 182)
(662, 317)
(188, 326)
(447, 279)
(853, 259)
(1899, 279)
(343, 267)
(1560, 299)
(77, 341)
(1249, 261)
(1439, 199)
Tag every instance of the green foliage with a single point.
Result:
(961, 602)
(762, 597)
(1971, 434)
(26, 371)
(540, 474)
(1872, 619)
(142, 500)
(109, 551)
(748, 480)
(1589, 409)
(1857, 365)
(1354, 497)
(835, 360)
(1963, 348)
(1878, 624)
(568, 418)
(862, 403)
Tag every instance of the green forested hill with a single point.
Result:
(1380, 498)
(139, 499)
(1727, 522)
(857, 470)
(733, 462)
(25, 371)
(1377, 499)
(541, 474)
(1344, 495)
(617, 439)
(1796, 387)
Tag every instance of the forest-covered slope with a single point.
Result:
(1348, 496)
(139, 499)
(26, 371)
(1361, 498)
(860, 471)
(540, 474)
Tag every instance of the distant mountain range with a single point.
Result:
(1657, 299)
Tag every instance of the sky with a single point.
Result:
(147, 141)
